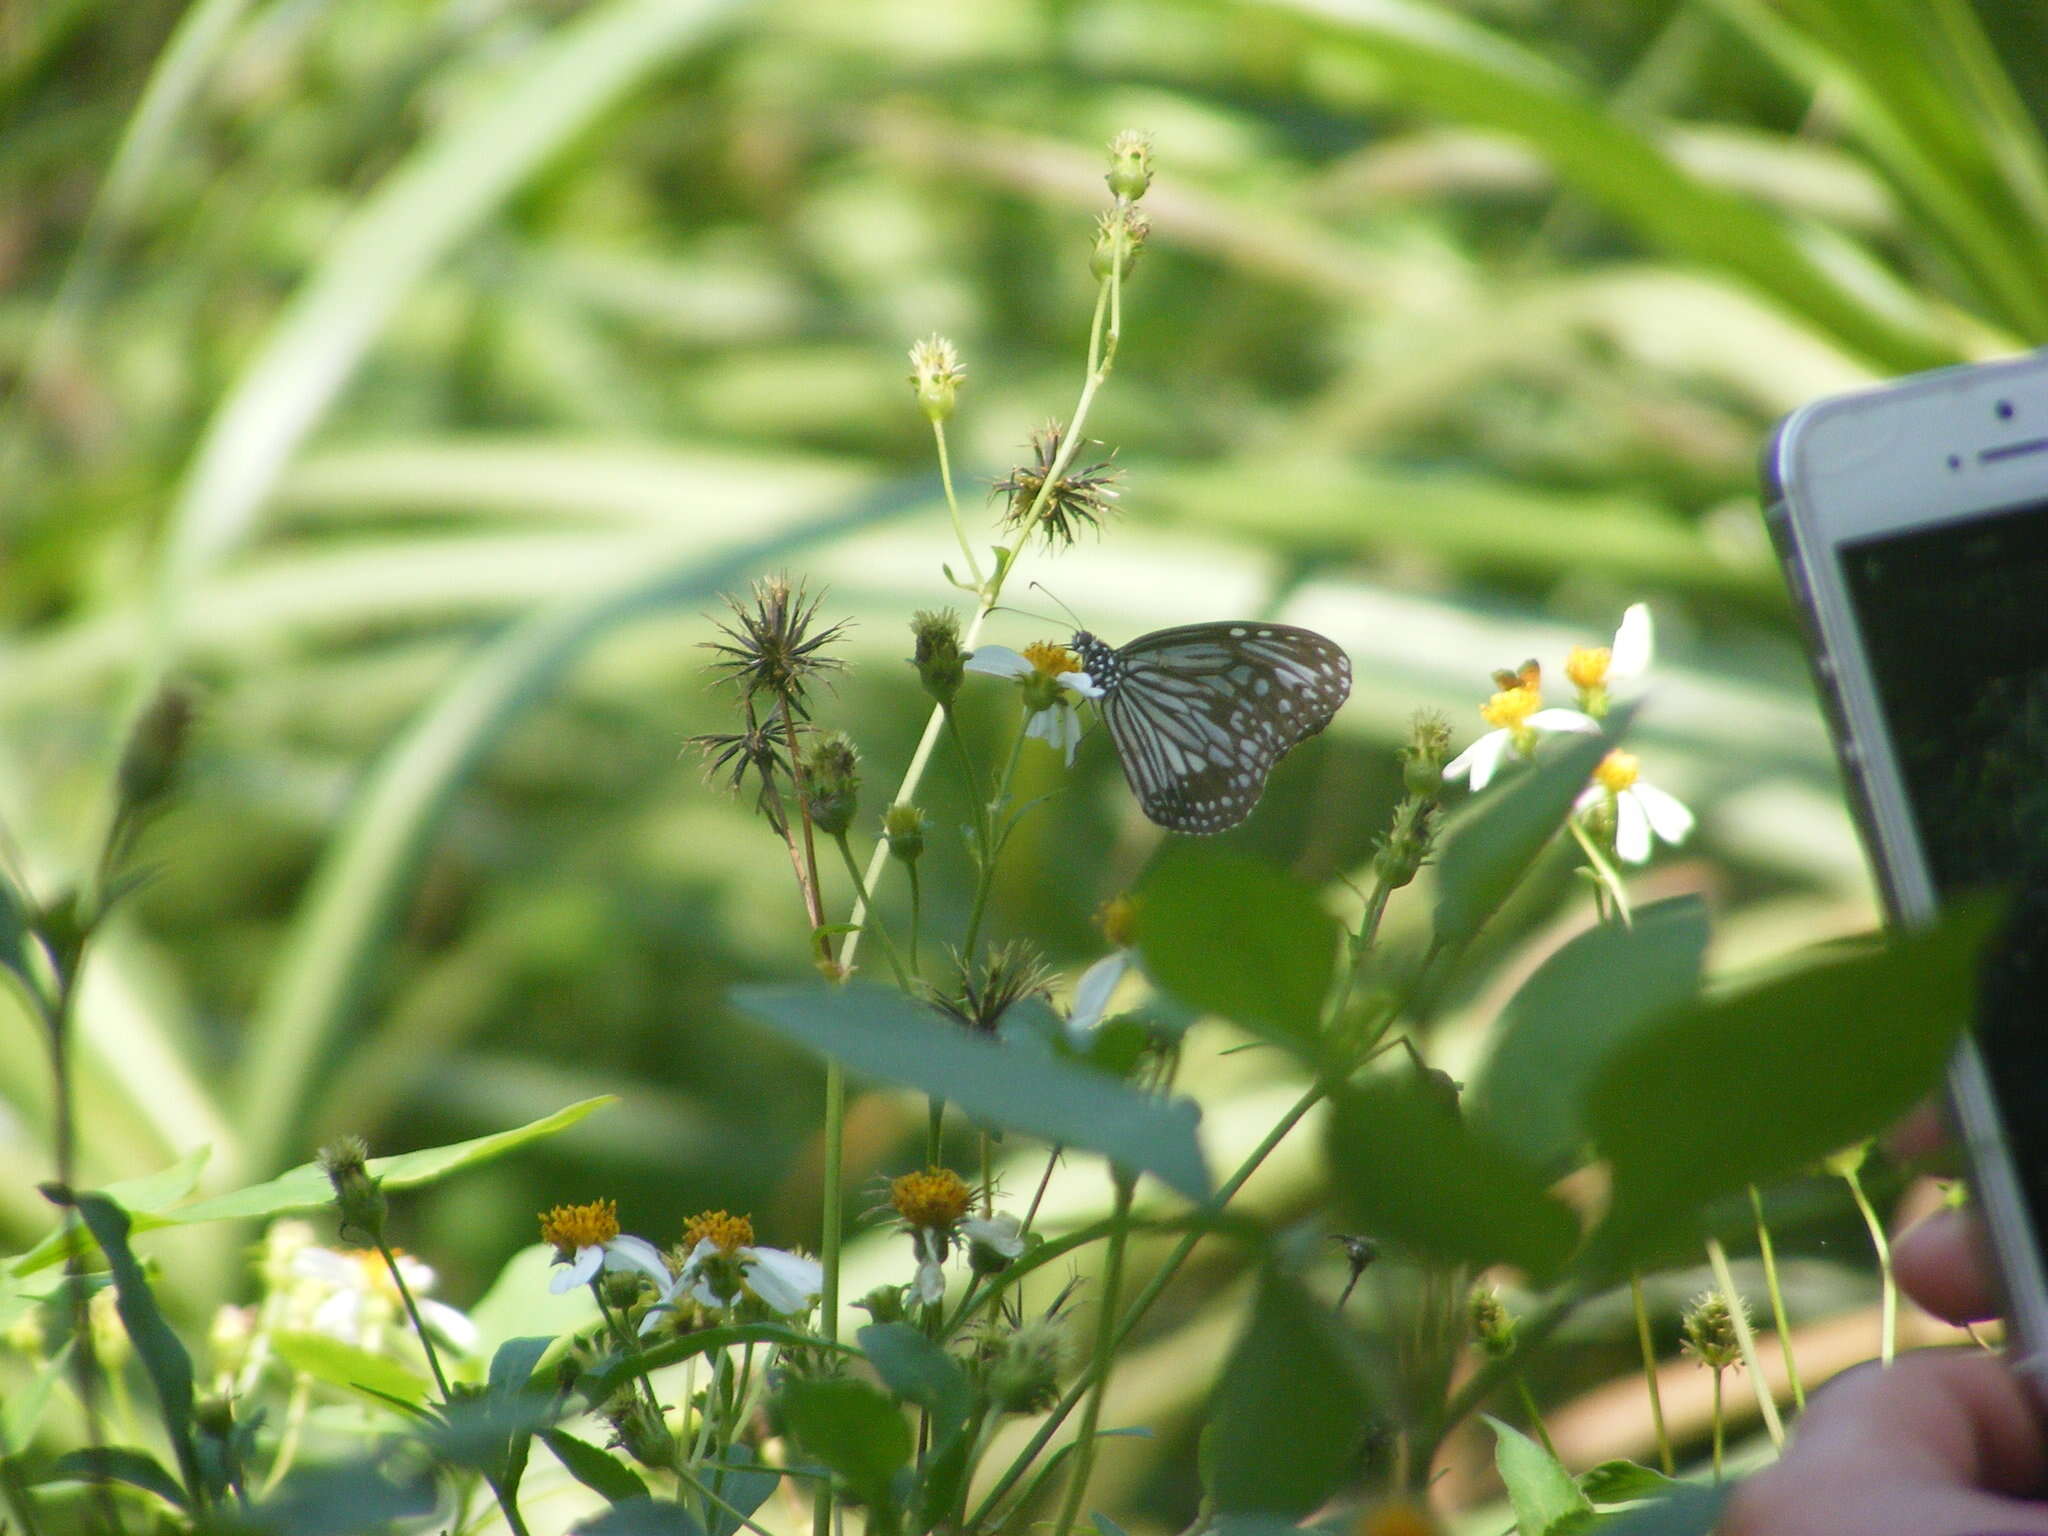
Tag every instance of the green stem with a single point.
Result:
(1106, 1338)
(296, 1408)
(873, 918)
(1535, 1414)
(916, 913)
(1888, 1344)
(985, 877)
(935, 1131)
(412, 1310)
(1718, 1427)
(953, 506)
(1745, 1342)
(1649, 1349)
(1482, 1383)
(1779, 1320)
(696, 1483)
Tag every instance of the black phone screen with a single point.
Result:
(1954, 621)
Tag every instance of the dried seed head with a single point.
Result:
(1076, 499)
(771, 647)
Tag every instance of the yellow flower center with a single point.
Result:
(729, 1233)
(1051, 660)
(1395, 1520)
(1617, 771)
(1118, 920)
(936, 1198)
(1511, 706)
(573, 1227)
(1587, 666)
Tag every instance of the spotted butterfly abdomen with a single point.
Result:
(1201, 713)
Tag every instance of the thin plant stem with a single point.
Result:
(916, 913)
(296, 1409)
(1106, 1334)
(1889, 1342)
(874, 918)
(1720, 1429)
(1779, 1320)
(935, 1131)
(419, 1327)
(1038, 1195)
(985, 877)
(807, 873)
(1535, 1414)
(696, 1483)
(1649, 1349)
(1745, 1340)
(953, 505)
(1492, 1373)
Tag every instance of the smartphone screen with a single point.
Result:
(1954, 621)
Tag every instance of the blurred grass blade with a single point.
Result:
(356, 894)
(436, 197)
(1455, 68)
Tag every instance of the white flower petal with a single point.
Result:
(1081, 683)
(629, 1252)
(1667, 815)
(1590, 796)
(1481, 760)
(1631, 830)
(997, 661)
(339, 1316)
(1562, 720)
(1004, 1233)
(454, 1327)
(786, 1282)
(930, 1287)
(1093, 991)
(325, 1264)
(579, 1270)
(1629, 656)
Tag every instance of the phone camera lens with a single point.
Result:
(2004, 409)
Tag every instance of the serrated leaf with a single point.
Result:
(1577, 1008)
(881, 1033)
(1546, 1500)
(1291, 1407)
(1407, 1168)
(349, 1367)
(1489, 843)
(1235, 937)
(599, 1471)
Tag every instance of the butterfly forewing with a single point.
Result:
(1201, 713)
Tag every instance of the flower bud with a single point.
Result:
(1025, 1376)
(1119, 236)
(155, 748)
(643, 1436)
(884, 1304)
(939, 660)
(936, 375)
(1493, 1330)
(832, 784)
(359, 1197)
(905, 826)
(1424, 754)
(1708, 1330)
(1130, 165)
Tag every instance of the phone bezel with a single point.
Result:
(1931, 451)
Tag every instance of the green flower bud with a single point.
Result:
(1130, 165)
(939, 660)
(155, 748)
(642, 1435)
(936, 375)
(832, 783)
(884, 1304)
(1024, 1375)
(905, 826)
(1493, 1329)
(1119, 236)
(360, 1198)
(1708, 1333)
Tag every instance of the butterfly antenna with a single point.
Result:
(1072, 616)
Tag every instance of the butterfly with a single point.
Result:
(1201, 713)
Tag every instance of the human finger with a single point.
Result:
(1943, 1263)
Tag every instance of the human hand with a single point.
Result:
(1944, 1443)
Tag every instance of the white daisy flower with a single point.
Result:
(1517, 714)
(348, 1294)
(723, 1265)
(1642, 811)
(587, 1240)
(1052, 680)
(1595, 670)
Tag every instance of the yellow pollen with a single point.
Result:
(573, 1227)
(1587, 666)
(729, 1233)
(1118, 920)
(1617, 771)
(934, 1199)
(1051, 660)
(1511, 706)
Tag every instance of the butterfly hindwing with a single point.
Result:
(1201, 713)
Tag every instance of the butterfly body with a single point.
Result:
(1201, 713)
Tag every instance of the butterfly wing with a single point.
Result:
(1201, 713)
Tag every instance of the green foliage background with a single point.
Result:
(413, 376)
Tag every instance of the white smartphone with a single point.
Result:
(1912, 524)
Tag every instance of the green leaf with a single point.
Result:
(164, 1359)
(1750, 1088)
(22, 1411)
(919, 1372)
(1626, 1482)
(344, 1365)
(520, 1303)
(307, 1187)
(1291, 1410)
(1567, 1018)
(338, 1499)
(1690, 1511)
(1406, 1168)
(1490, 841)
(852, 1428)
(743, 1480)
(511, 1377)
(1546, 1500)
(14, 930)
(1235, 937)
(596, 1386)
(139, 1197)
(599, 1471)
(641, 1517)
(883, 1034)
(119, 1464)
